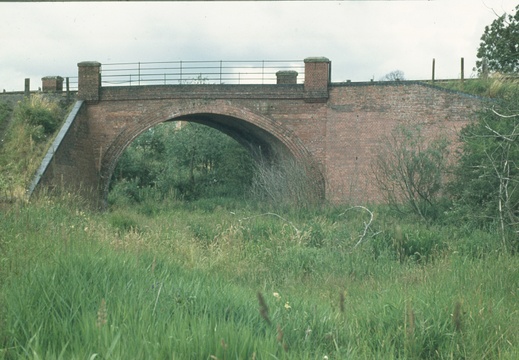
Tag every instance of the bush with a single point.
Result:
(410, 171)
(42, 114)
(5, 112)
(285, 183)
(485, 188)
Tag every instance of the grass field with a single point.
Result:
(223, 279)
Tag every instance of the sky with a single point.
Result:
(363, 39)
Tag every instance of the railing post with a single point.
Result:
(89, 80)
(67, 84)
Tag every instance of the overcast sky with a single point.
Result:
(363, 39)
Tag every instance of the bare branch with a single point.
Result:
(273, 214)
(503, 116)
(366, 225)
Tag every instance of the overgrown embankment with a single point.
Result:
(27, 127)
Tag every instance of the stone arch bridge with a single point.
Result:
(334, 129)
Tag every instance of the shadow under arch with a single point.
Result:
(266, 139)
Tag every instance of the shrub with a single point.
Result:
(486, 184)
(410, 171)
(5, 112)
(42, 114)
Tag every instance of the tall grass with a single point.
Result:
(34, 123)
(185, 282)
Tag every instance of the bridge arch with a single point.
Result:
(265, 138)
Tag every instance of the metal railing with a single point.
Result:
(72, 82)
(197, 72)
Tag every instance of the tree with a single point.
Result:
(410, 170)
(499, 47)
(396, 75)
(485, 189)
(191, 161)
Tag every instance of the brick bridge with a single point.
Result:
(335, 129)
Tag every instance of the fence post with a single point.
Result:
(27, 88)
(462, 70)
(433, 65)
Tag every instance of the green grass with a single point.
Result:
(182, 282)
(492, 87)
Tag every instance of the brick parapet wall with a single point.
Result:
(158, 92)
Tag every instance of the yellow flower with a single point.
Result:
(277, 296)
(287, 306)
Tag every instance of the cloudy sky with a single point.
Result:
(363, 39)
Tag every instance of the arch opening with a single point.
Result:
(268, 150)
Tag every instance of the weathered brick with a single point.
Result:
(340, 134)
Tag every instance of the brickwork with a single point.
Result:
(286, 77)
(89, 80)
(361, 117)
(317, 79)
(52, 84)
(338, 132)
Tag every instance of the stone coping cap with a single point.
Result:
(287, 72)
(52, 78)
(89, 63)
(317, 59)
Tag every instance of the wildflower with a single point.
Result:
(308, 331)
(287, 306)
(101, 314)
(277, 296)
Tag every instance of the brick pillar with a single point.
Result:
(89, 80)
(52, 84)
(317, 79)
(286, 77)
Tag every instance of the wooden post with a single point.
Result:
(67, 84)
(27, 88)
(433, 64)
(462, 70)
